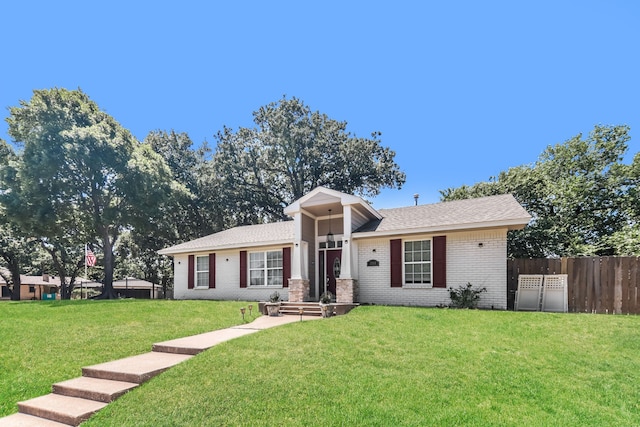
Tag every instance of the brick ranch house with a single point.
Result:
(34, 287)
(339, 243)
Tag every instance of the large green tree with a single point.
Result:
(626, 241)
(14, 247)
(292, 150)
(81, 177)
(576, 192)
(194, 213)
(15, 255)
(186, 214)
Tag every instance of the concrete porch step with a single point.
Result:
(24, 420)
(135, 369)
(97, 389)
(308, 308)
(314, 308)
(62, 409)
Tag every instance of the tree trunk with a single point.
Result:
(14, 268)
(65, 289)
(165, 287)
(58, 265)
(107, 290)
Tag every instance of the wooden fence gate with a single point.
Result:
(596, 284)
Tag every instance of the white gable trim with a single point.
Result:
(248, 246)
(345, 199)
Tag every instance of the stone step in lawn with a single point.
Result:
(198, 343)
(135, 369)
(62, 409)
(97, 389)
(24, 420)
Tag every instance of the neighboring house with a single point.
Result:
(339, 243)
(48, 287)
(34, 287)
(128, 287)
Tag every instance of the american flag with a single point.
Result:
(90, 258)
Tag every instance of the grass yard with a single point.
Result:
(382, 366)
(393, 366)
(45, 342)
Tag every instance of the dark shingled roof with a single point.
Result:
(492, 211)
(246, 235)
(483, 211)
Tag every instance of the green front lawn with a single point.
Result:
(383, 366)
(387, 366)
(46, 342)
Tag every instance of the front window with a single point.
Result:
(202, 272)
(265, 268)
(417, 262)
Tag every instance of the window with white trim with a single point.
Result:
(265, 268)
(202, 271)
(417, 262)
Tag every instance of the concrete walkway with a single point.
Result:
(74, 401)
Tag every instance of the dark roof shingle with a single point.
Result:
(482, 211)
(246, 235)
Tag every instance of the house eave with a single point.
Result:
(207, 249)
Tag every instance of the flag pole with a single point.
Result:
(85, 260)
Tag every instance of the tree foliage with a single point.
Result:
(14, 247)
(195, 212)
(185, 214)
(291, 151)
(80, 178)
(578, 192)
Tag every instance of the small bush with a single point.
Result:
(274, 297)
(465, 296)
(325, 298)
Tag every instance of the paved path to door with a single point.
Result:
(74, 401)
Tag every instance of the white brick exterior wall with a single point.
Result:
(467, 261)
(227, 280)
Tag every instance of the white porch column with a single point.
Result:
(347, 259)
(346, 285)
(296, 262)
(298, 284)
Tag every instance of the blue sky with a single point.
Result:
(461, 90)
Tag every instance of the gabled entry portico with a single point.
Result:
(318, 263)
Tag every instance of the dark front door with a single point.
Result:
(332, 269)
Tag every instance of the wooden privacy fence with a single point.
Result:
(596, 284)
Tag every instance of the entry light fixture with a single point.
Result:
(330, 234)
